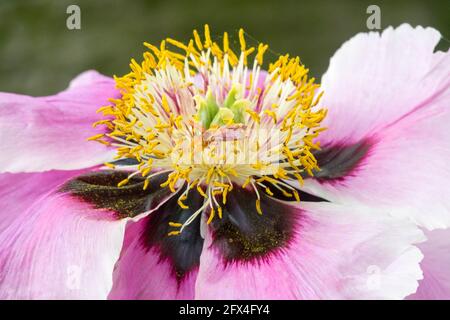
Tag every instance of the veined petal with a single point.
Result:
(405, 170)
(46, 133)
(61, 248)
(435, 265)
(394, 153)
(65, 246)
(376, 79)
(19, 191)
(336, 252)
(144, 272)
(154, 265)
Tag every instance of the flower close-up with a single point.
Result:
(217, 168)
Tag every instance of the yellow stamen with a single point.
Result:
(109, 165)
(208, 41)
(258, 206)
(146, 183)
(123, 182)
(242, 39)
(157, 120)
(198, 41)
(96, 137)
(175, 224)
(211, 216)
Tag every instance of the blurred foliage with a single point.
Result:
(39, 55)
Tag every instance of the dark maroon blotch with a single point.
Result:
(100, 189)
(183, 250)
(243, 235)
(340, 160)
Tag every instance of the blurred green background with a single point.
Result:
(39, 55)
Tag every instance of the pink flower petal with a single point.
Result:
(19, 191)
(406, 171)
(337, 253)
(141, 273)
(396, 92)
(45, 133)
(376, 79)
(435, 265)
(60, 248)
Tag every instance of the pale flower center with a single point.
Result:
(213, 123)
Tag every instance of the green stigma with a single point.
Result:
(231, 111)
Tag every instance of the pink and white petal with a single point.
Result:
(45, 133)
(19, 191)
(337, 252)
(376, 79)
(60, 249)
(436, 267)
(141, 273)
(405, 172)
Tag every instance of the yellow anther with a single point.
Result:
(242, 39)
(181, 204)
(209, 174)
(220, 184)
(153, 48)
(286, 194)
(175, 224)
(260, 55)
(258, 206)
(269, 192)
(165, 104)
(211, 216)
(226, 46)
(102, 122)
(123, 182)
(109, 165)
(200, 190)
(271, 114)
(96, 137)
(221, 173)
(105, 108)
(297, 197)
(249, 51)
(177, 43)
(299, 178)
(146, 171)
(198, 41)
(208, 41)
(162, 46)
(253, 115)
(224, 195)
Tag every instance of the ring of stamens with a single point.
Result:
(177, 104)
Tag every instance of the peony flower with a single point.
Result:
(211, 178)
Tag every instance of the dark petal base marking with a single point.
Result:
(338, 161)
(182, 251)
(242, 235)
(125, 162)
(100, 189)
